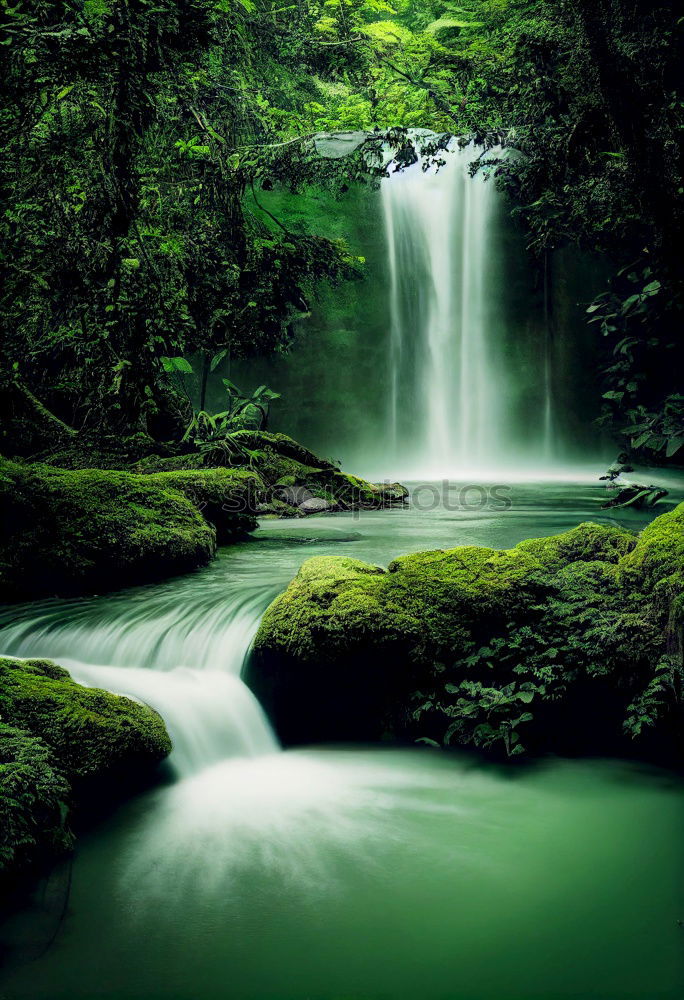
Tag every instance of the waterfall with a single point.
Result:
(548, 417)
(181, 657)
(450, 394)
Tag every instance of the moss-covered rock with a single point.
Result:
(64, 747)
(586, 543)
(225, 498)
(91, 732)
(657, 560)
(284, 476)
(563, 644)
(281, 444)
(66, 531)
(76, 530)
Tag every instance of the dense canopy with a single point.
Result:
(137, 138)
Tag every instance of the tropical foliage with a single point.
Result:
(137, 139)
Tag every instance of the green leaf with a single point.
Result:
(641, 439)
(217, 359)
(629, 302)
(673, 445)
(176, 365)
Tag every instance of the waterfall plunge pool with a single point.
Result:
(334, 873)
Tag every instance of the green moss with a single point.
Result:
(558, 643)
(281, 445)
(64, 746)
(174, 463)
(66, 531)
(587, 542)
(90, 731)
(657, 560)
(225, 497)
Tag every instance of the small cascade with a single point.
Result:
(183, 658)
(210, 715)
(213, 627)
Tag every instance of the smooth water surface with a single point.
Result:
(342, 873)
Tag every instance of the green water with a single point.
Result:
(359, 874)
(350, 873)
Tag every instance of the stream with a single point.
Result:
(342, 873)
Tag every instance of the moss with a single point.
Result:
(586, 543)
(91, 732)
(66, 747)
(282, 445)
(277, 461)
(225, 497)
(349, 492)
(174, 463)
(66, 531)
(657, 559)
(557, 644)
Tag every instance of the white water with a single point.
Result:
(446, 384)
(184, 661)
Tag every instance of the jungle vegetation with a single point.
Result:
(138, 135)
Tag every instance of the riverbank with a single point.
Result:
(88, 529)
(355, 870)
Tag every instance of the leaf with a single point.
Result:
(673, 445)
(652, 289)
(182, 365)
(217, 359)
(629, 302)
(641, 439)
(176, 365)
(64, 91)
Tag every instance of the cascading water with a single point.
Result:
(445, 380)
(183, 659)
(336, 872)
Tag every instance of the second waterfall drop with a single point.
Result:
(446, 412)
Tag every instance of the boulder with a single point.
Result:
(64, 748)
(295, 496)
(315, 505)
(72, 531)
(564, 644)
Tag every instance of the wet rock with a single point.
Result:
(295, 496)
(315, 505)
(392, 493)
(572, 638)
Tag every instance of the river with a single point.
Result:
(342, 873)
